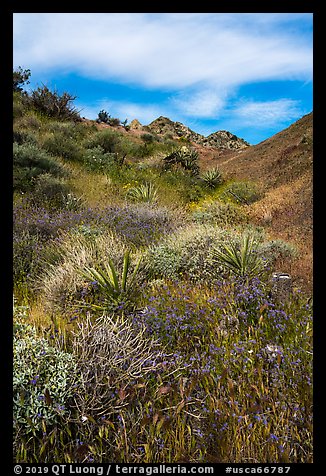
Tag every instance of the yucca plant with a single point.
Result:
(212, 177)
(243, 260)
(184, 157)
(143, 193)
(116, 291)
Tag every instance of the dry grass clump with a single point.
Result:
(62, 281)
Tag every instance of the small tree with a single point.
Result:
(20, 77)
(103, 116)
(53, 104)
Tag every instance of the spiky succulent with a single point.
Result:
(185, 158)
(212, 177)
(143, 193)
(242, 260)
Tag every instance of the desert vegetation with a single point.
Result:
(146, 328)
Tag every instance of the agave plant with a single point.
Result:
(243, 260)
(116, 291)
(143, 193)
(212, 177)
(184, 157)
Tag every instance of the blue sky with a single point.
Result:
(249, 73)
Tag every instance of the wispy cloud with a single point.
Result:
(198, 63)
(205, 103)
(267, 113)
(163, 50)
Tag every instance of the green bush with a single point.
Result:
(21, 136)
(52, 190)
(191, 192)
(30, 120)
(108, 140)
(61, 145)
(187, 252)
(277, 249)
(68, 129)
(19, 106)
(44, 379)
(99, 160)
(29, 161)
(241, 192)
(242, 260)
(219, 213)
(149, 138)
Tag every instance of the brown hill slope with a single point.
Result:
(278, 160)
(282, 166)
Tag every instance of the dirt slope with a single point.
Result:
(283, 167)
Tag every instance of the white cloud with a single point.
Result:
(200, 60)
(267, 113)
(170, 51)
(206, 103)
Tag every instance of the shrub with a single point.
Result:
(276, 249)
(22, 137)
(149, 138)
(19, 106)
(187, 252)
(114, 121)
(107, 139)
(44, 379)
(241, 192)
(29, 161)
(194, 251)
(20, 77)
(97, 159)
(111, 355)
(61, 145)
(191, 192)
(218, 213)
(29, 121)
(68, 129)
(51, 189)
(103, 116)
(26, 250)
(52, 104)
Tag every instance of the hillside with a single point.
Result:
(143, 302)
(282, 166)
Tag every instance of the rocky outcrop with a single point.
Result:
(225, 140)
(220, 139)
(135, 125)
